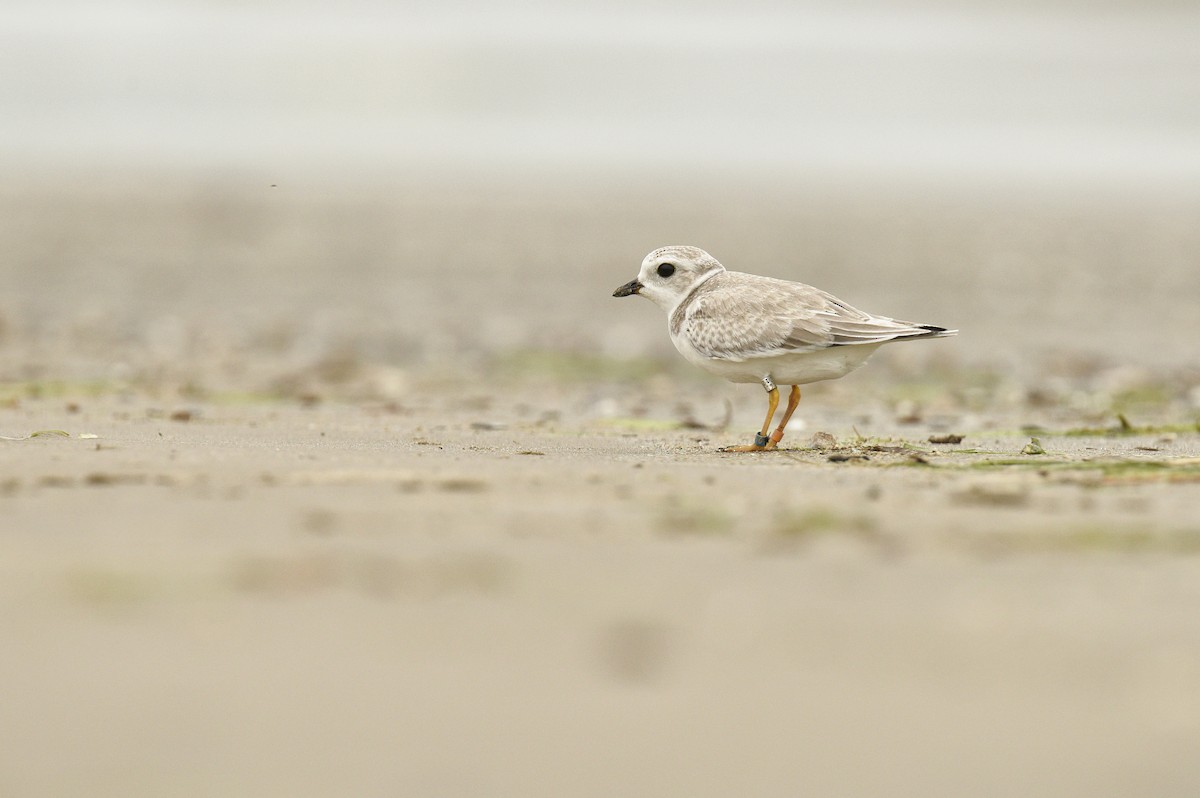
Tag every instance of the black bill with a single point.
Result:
(631, 287)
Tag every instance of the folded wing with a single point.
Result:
(738, 316)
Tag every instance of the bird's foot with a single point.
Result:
(761, 444)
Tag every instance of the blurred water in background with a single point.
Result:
(424, 178)
(1047, 91)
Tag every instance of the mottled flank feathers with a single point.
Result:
(735, 316)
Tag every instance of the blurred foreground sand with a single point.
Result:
(387, 496)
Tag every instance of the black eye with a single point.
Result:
(665, 270)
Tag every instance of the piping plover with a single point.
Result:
(747, 328)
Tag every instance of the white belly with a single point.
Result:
(797, 368)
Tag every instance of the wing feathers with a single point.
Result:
(736, 316)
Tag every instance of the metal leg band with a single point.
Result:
(768, 383)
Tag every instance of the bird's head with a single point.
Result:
(669, 274)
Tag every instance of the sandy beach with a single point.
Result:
(330, 465)
(376, 490)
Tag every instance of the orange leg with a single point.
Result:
(777, 435)
(762, 442)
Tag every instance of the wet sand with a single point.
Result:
(349, 502)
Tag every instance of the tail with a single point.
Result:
(880, 330)
(926, 331)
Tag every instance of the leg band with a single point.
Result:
(760, 439)
(768, 383)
